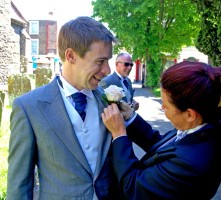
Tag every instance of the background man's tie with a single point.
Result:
(126, 83)
(80, 103)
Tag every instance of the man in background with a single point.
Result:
(124, 64)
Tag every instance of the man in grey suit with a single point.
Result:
(119, 77)
(72, 153)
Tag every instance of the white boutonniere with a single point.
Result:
(113, 94)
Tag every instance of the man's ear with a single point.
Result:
(70, 55)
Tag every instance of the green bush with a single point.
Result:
(154, 70)
(43, 76)
(2, 99)
(18, 84)
(2, 195)
(157, 92)
(4, 140)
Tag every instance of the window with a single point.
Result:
(34, 46)
(34, 27)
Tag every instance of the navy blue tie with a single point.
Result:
(126, 83)
(80, 103)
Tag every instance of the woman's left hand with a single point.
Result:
(114, 121)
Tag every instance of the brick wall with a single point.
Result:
(42, 37)
(47, 37)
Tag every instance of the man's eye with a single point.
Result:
(99, 62)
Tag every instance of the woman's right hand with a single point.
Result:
(114, 121)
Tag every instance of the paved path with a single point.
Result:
(150, 110)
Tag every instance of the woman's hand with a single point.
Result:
(114, 121)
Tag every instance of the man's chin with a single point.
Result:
(93, 87)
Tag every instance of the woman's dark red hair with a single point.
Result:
(194, 85)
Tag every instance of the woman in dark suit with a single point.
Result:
(185, 163)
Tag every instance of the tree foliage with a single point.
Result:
(209, 38)
(150, 30)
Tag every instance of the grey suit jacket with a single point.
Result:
(42, 135)
(114, 79)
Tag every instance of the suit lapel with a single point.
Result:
(130, 85)
(116, 80)
(159, 156)
(106, 137)
(156, 155)
(52, 107)
(167, 137)
(160, 143)
(130, 89)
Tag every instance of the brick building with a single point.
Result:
(43, 35)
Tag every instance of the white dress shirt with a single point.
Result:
(181, 134)
(87, 131)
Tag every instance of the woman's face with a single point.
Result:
(177, 117)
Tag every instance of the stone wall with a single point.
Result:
(22, 40)
(9, 44)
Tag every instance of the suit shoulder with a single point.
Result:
(109, 77)
(35, 93)
(105, 82)
(102, 83)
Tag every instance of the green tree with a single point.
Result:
(151, 29)
(209, 38)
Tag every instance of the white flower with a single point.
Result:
(114, 93)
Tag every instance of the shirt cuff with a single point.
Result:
(127, 123)
(119, 137)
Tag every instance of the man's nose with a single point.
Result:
(106, 69)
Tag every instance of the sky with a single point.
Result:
(64, 10)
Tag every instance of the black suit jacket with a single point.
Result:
(187, 169)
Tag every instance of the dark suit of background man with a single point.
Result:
(124, 64)
(71, 153)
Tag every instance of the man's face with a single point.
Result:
(123, 65)
(93, 67)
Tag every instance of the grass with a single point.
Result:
(4, 140)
